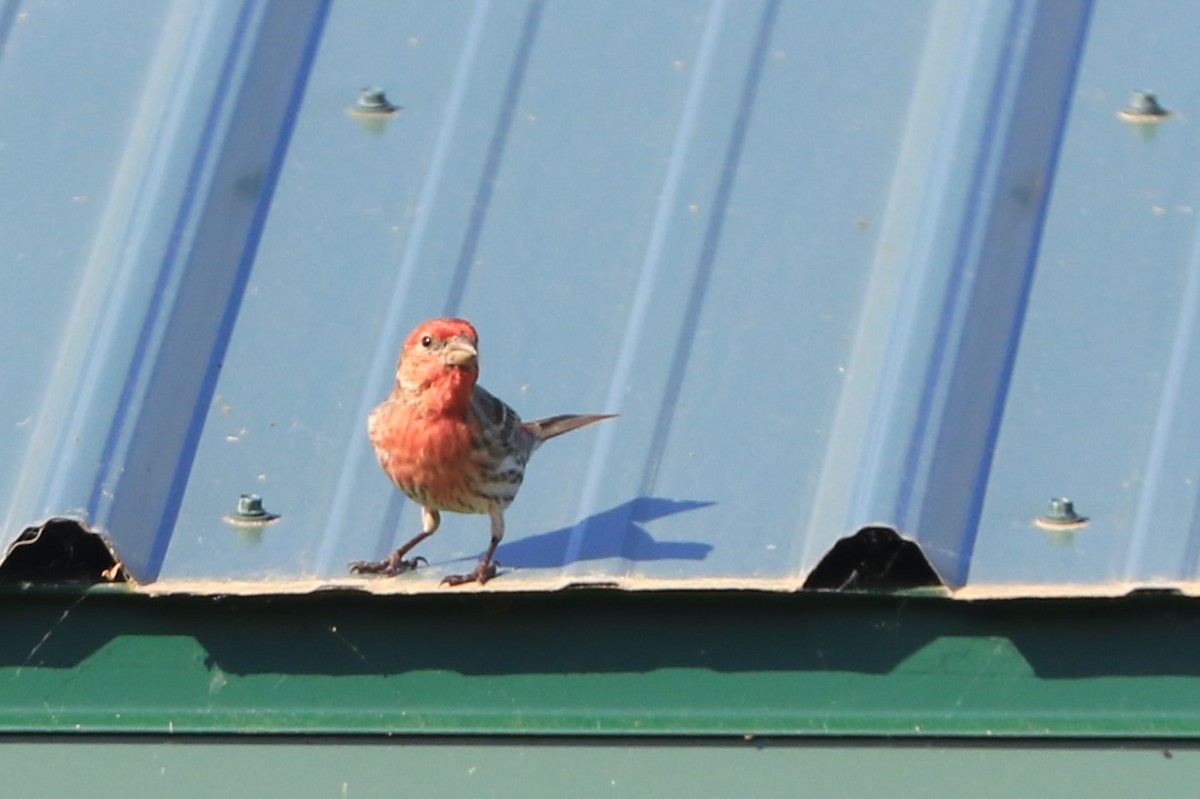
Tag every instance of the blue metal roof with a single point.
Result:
(843, 266)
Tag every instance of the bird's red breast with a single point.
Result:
(429, 458)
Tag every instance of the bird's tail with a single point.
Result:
(544, 429)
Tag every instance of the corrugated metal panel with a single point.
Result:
(871, 264)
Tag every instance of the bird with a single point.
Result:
(449, 445)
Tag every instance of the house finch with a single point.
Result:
(450, 445)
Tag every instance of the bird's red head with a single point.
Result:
(440, 358)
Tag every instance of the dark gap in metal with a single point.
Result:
(873, 559)
(61, 551)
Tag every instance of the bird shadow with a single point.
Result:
(614, 533)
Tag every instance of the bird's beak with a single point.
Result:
(459, 351)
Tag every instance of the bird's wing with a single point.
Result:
(506, 445)
(501, 427)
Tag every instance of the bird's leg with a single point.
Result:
(486, 569)
(483, 571)
(395, 563)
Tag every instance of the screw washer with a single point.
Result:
(250, 513)
(1061, 515)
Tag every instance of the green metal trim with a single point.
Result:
(600, 662)
(263, 767)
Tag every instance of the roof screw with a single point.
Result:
(250, 512)
(1060, 515)
(1143, 109)
(250, 506)
(373, 101)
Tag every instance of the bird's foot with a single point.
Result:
(388, 567)
(481, 574)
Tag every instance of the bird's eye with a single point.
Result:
(426, 341)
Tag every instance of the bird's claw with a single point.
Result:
(388, 567)
(481, 574)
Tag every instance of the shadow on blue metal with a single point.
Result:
(605, 537)
(871, 266)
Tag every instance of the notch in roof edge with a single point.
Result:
(874, 559)
(62, 551)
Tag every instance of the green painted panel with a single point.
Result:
(616, 768)
(600, 662)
